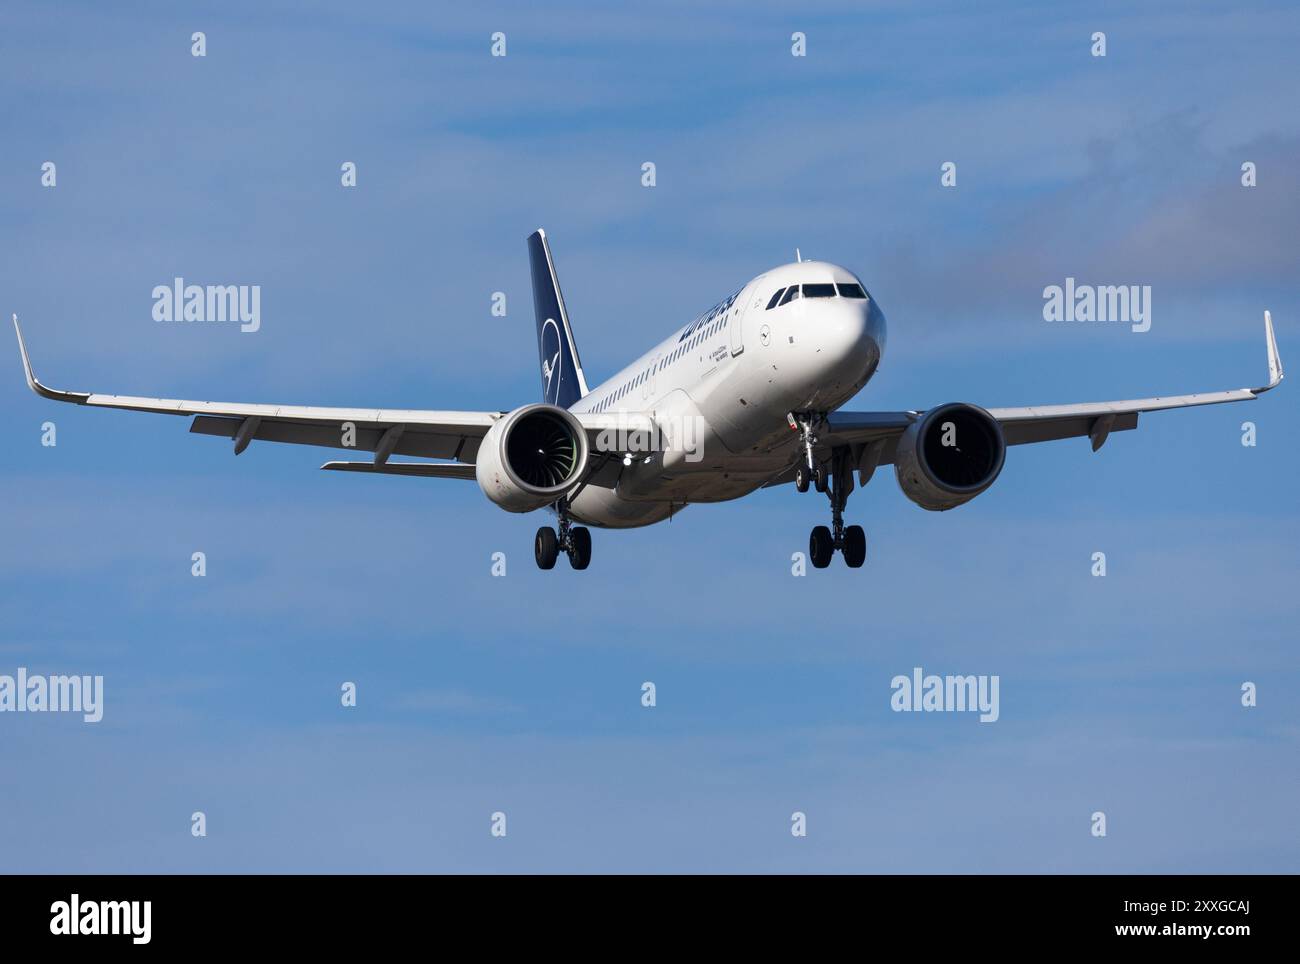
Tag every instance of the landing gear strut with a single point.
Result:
(810, 470)
(573, 541)
(851, 541)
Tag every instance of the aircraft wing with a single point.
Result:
(452, 435)
(1037, 423)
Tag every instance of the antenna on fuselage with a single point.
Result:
(797, 256)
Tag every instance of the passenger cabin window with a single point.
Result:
(819, 291)
(791, 294)
(775, 298)
(851, 291)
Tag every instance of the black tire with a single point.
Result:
(579, 547)
(820, 547)
(855, 547)
(819, 478)
(801, 478)
(546, 548)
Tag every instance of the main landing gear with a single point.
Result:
(573, 541)
(837, 483)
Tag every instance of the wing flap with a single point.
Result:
(472, 422)
(862, 427)
(423, 470)
(414, 440)
(1021, 431)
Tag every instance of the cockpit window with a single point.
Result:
(791, 294)
(851, 291)
(775, 298)
(819, 291)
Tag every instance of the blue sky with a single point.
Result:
(522, 694)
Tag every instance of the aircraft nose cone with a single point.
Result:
(846, 330)
(851, 338)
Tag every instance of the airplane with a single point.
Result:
(745, 396)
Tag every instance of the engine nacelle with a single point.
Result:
(949, 455)
(531, 457)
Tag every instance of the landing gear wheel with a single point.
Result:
(546, 547)
(819, 478)
(801, 478)
(855, 547)
(820, 547)
(579, 547)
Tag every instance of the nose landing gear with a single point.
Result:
(810, 471)
(815, 476)
(573, 541)
(851, 541)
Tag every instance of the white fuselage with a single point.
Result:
(731, 376)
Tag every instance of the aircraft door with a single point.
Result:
(736, 326)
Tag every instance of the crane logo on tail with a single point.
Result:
(551, 364)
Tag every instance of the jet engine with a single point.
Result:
(949, 455)
(531, 457)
